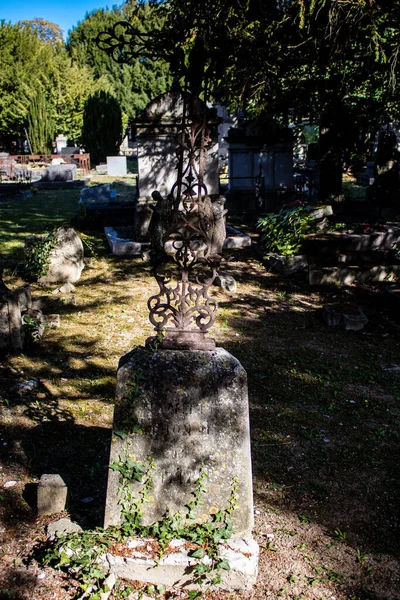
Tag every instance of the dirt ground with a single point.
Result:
(324, 425)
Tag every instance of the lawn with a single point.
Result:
(324, 409)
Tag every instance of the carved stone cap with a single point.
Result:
(168, 109)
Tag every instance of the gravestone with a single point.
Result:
(156, 134)
(59, 173)
(61, 143)
(12, 305)
(191, 416)
(66, 258)
(52, 495)
(259, 155)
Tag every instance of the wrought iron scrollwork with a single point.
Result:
(188, 235)
(123, 42)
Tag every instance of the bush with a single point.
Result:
(283, 232)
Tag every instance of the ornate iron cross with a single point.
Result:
(188, 226)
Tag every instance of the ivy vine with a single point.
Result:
(80, 553)
(37, 260)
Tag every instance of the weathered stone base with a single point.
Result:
(189, 415)
(175, 568)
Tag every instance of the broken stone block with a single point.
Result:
(52, 321)
(225, 282)
(62, 527)
(52, 495)
(348, 316)
(286, 265)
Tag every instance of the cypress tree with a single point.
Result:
(102, 126)
(40, 124)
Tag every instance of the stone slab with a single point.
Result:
(348, 316)
(235, 239)
(285, 265)
(52, 495)
(60, 185)
(123, 247)
(352, 242)
(175, 567)
(191, 417)
(349, 275)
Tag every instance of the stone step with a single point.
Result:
(366, 259)
(353, 274)
(351, 242)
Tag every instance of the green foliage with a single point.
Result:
(79, 553)
(133, 85)
(37, 258)
(36, 69)
(283, 232)
(102, 126)
(31, 328)
(40, 124)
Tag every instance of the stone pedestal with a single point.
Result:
(189, 414)
(186, 413)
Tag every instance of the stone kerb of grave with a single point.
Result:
(157, 131)
(190, 417)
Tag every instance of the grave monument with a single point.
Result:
(181, 421)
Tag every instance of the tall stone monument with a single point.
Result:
(181, 410)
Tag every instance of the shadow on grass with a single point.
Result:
(324, 412)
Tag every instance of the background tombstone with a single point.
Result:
(258, 151)
(156, 134)
(116, 166)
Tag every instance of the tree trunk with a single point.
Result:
(330, 152)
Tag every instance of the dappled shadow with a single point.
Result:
(76, 452)
(324, 414)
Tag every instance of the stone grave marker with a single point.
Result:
(190, 416)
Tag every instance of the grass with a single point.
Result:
(324, 416)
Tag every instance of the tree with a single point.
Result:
(46, 30)
(30, 64)
(40, 124)
(102, 126)
(134, 85)
(330, 60)
(71, 87)
(25, 66)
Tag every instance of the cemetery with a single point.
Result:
(199, 317)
